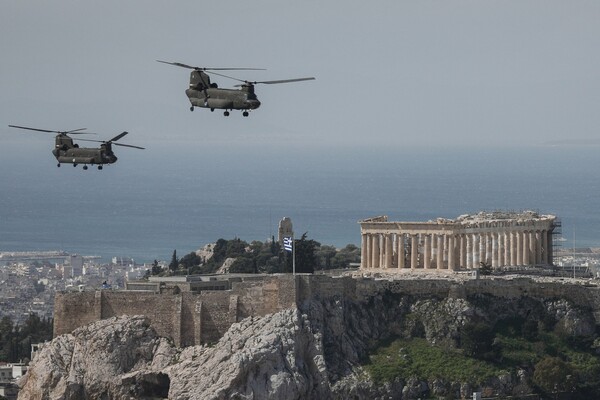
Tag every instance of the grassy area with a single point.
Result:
(416, 357)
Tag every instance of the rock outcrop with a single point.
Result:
(313, 351)
(117, 358)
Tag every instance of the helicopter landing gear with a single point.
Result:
(100, 167)
(74, 165)
(192, 108)
(212, 110)
(58, 165)
(226, 113)
(245, 113)
(85, 167)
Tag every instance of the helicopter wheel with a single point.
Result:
(226, 113)
(192, 108)
(100, 167)
(74, 165)
(58, 165)
(245, 113)
(85, 167)
(212, 110)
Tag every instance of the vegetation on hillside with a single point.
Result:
(560, 363)
(263, 257)
(16, 340)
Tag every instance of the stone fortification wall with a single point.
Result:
(74, 309)
(194, 318)
(581, 294)
(186, 317)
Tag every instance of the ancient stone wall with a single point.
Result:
(186, 317)
(194, 318)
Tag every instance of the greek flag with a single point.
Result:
(287, 243)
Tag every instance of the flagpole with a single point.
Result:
(293, 255)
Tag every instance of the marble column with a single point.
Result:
(476, 250)
(387, 251)
(451, 252)
(506, 249)
(469, 253)
(494, 244)
(375, 251)
(440, 252)
(414, 251)
(532, 251)
(427, 251)
(519, 246)
(463, 251)
(363, 251)
(401, 254)
(525, 248)
(500, 249)
(513, 248)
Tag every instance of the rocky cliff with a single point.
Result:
(317, 350)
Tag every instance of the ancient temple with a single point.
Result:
(496, 239)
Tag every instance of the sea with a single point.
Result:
(176, 197)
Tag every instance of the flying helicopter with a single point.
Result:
(67, 152)
(206, 94)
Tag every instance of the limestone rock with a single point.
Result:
(117, 358)
(274, 357)
(206, 252)
(313, 351)
(224, 268)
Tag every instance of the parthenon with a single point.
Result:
(497, 239)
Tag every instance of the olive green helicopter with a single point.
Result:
(67, 152)
(206, 94)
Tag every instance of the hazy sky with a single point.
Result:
(389, 73)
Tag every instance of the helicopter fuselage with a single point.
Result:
(224, 99)
(68, 153)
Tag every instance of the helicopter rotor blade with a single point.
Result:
(227, 76)
(129, 145)
(108, 141)
(277, 81)
(113, 140)
(178, 64)
(119, 136)
(71, 132)
(286, 80)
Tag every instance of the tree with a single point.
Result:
(236, 248)
(347, 255)
(219, 251)
(306, 258)
(190, 260)
(174, 264)
(553, 375)
(156, 269)
(325, 254)
(243, 265)
(477, 339)
(15, 340)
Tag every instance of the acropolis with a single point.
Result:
(496, 239)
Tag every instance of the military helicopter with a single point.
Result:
(203, 93)
(67, 152)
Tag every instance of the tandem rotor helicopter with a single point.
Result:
(67, 152)
(203, 93)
